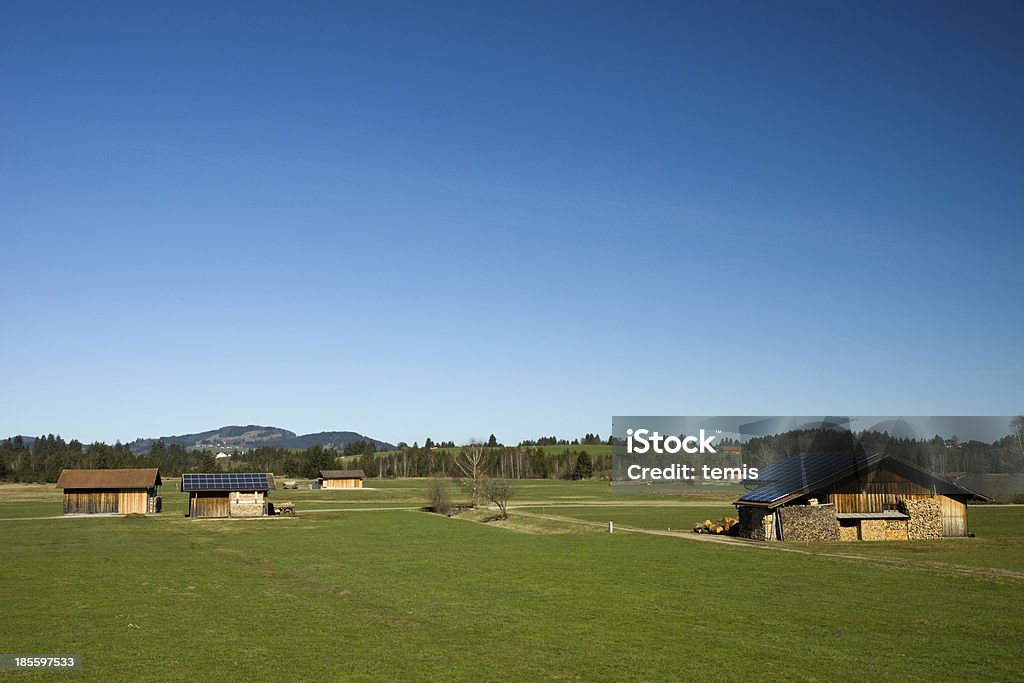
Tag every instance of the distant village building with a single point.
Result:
(731, 454)
(222, 454)
(341, 479)
(121, 492)
(235, 494)
(852, 496)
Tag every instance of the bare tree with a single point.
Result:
(471, 463)
(1017, 427)
(499, 491)
(439, 495)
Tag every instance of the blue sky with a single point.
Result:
(449, 219)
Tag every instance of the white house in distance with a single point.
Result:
(222, 455)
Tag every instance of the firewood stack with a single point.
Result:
(728, 526)
(925, 518)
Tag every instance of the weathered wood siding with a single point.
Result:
(954, 513)
(954, 517)
(883, 489)
(112, 501)
(209, 504)
(342, 484)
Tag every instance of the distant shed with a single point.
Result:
(121, 492)
(234, 494)
(341, 479)
(852, 496)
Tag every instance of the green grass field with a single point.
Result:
(406, 595)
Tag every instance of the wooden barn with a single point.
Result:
(341, 479)
(117, 492)
(852, 496)
(234, 494)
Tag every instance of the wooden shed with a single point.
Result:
(234, 494)
(852, 496)
(341, 479)
(119, 492)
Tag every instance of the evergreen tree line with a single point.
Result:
(48, 455)
(938, 455)
(587, 440)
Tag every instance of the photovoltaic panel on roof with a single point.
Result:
(227, 481)
(801, 472)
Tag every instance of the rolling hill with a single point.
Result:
(254, 436)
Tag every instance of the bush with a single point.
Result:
(439, 495)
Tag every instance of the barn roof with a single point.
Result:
(805, 473)
(145, 478)
(228, 481)
(342, 474)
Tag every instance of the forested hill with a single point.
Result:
(256, 436)
(335, 440)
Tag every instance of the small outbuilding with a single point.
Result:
(341, 479)
(852, 496)
(233, 494)
(112, 492)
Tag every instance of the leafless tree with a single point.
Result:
(1017, 427)
(499, 491)
(471, 463)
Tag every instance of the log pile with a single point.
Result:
(806, 523)
(925, 518)
(872, 529)
(727, 526)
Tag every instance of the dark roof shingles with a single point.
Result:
(110, 479)
(342, 474)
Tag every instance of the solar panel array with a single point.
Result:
(798, 473)
(228, 481)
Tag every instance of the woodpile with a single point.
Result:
(756, 523)
(925, 518)
(728, 526)
(896, 530)
(805, 523)
(872, 529)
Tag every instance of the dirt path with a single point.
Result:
(302, 511)
(625, 503)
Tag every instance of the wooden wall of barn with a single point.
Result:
(209, 504)
(883, 488)
(105, 501)
(954, 512)
(342, 484)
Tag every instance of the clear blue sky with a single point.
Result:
(448, 219)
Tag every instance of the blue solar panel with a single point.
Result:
(805, 472)
(799, 473)
(228, 481)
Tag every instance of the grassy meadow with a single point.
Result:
(352, 593)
